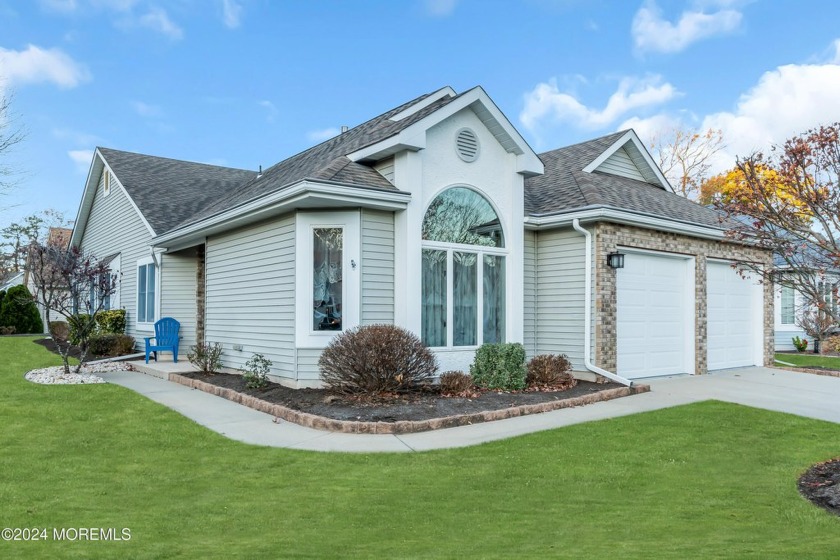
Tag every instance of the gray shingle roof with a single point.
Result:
(328, 160)
(172, 193)
(169, 191)
(565, 186)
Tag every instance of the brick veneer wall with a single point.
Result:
(609, 236)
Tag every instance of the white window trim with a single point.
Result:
(146, 326)
(306, 223)
(115, 271)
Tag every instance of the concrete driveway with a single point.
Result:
(803, 394)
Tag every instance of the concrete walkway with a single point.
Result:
(807, 395)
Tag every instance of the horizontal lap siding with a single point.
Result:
(307, 362)
(250, 294)
(559, 298)
(530, 293)
(622, 165)
(377, 267)
(177, 299)
(114, 226)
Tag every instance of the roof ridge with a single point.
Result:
(101, 148)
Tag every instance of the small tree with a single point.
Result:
(685, 156)
(76, 286)
(817, 324)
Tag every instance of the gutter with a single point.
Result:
(587, 313)
(638, 219)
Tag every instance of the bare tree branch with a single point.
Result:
(684, 156)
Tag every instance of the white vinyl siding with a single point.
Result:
(114, 226)
(620, 163)
(530, 292)
(308, 374)
(559, 300)
(178, 274)
(250, 294)
(386, 168)
(377, 267)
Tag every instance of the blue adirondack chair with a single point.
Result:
(166, 338)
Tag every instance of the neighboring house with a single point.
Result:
(14, 279)
(789, 306)
(436, 216)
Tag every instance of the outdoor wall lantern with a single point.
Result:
(615, 260)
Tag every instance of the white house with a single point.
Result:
(439, 217)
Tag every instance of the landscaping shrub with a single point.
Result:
(801, 344)
(2, 296)
(110, 344)
(455, 383)
(111, 321)
(256, 371)
(377, 359)
(18, 310)
(5, 331)
(206, 357)
(76, 323)
(550, 371)
(499, 366)
(59, 330)
(831, 344)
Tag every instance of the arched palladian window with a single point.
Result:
(463, 300)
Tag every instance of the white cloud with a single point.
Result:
(145, 109)
(35, 65)
(271, 110)
(653, 33)
(785, 102)
(321, 135)
(76, 137)
(440, 8)
(158, 20)
(82, 159)
(231, 13)
(546, 103)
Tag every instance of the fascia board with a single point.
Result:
(623, 217)
(414, 136)
(285, 200)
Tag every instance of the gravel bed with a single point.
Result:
(55, 375)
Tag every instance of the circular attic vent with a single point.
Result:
(466, 143)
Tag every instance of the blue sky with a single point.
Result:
(245, 83)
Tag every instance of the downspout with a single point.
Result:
(587, 313)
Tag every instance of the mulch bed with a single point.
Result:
(821, 485)
(75, 352)
(415, 407)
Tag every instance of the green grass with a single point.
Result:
(709, 480)
(807, 359)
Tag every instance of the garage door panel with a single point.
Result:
(651, 315)
(731, 314)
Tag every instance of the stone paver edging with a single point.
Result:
(812, 371)
(402, 426)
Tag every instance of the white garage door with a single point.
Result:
(734, 328)
(654, 314)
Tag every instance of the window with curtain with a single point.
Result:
(146, 293)
(788, 309)
(327, 290)
(463, 271)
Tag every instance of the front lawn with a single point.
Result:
(709, 480)
(810, 360)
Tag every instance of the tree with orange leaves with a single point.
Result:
(789, 202)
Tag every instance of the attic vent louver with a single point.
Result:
(466, 144)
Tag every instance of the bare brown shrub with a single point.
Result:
(550, 371)
(377, 359)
